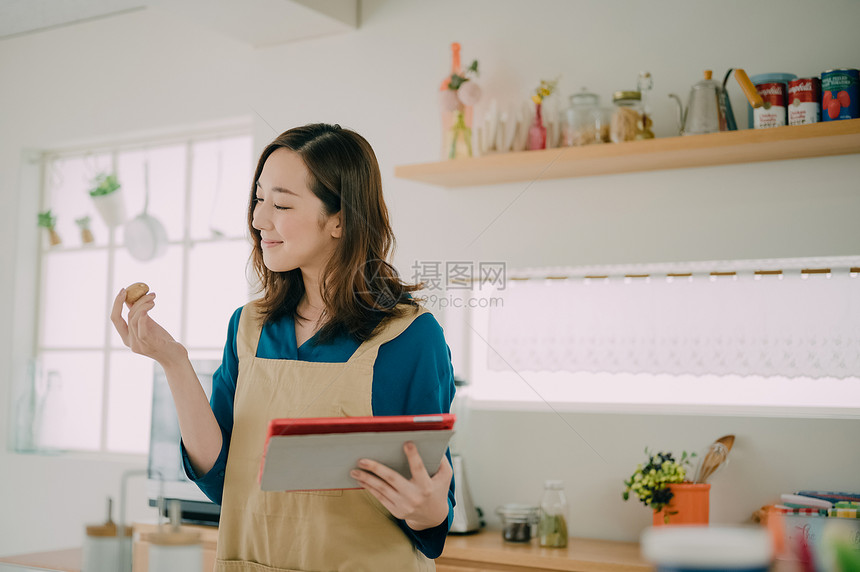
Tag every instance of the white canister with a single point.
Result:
(105, 551)
(696, 548)
(175, 551)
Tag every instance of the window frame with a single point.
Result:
(42, 160)
(467, 329)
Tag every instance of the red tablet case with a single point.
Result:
(317, 453)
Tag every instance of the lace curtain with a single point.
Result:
(743, 319)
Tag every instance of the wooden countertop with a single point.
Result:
(580, 555)
(483, 551)
(59, 560)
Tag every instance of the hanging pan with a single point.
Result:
(145, 237)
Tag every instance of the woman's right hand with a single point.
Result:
(143, 334)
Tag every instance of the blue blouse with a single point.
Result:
(419, 355)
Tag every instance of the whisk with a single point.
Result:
(714, 458)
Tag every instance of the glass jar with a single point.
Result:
(626, 117)
(552, 522)
(581, 125)
(646, 83)
(518, 521)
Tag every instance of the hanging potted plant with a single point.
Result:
(49, 221)
(107, 197)
(86, 234)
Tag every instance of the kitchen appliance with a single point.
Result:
(165, 474)
(708, 107)
(467, 517)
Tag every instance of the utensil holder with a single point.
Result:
(690, 504)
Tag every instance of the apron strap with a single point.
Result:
(389, 330)
(250, 328)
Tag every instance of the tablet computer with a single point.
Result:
(318, 453)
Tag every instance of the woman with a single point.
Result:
(336, 333)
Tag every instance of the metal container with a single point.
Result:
(768, 78)
(772, 113)
(804, 101)
(840, 96)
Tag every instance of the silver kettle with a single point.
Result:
(708, 107)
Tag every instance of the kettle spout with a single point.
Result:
(682, 113)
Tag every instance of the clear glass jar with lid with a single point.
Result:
(518, 521)
(552, 522)
(582, 120)
(626, 117)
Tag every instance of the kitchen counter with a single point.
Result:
(57, 560)
(487, 551)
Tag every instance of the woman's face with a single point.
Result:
(295, 231)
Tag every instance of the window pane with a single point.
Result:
(68, 410)
(166, 185)
(217, 286)
(67, 184)
(164, 277)
(129, 402)
(74, 302)
(220, 187)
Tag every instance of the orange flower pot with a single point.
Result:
(690, 504)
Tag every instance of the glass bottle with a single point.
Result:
(537, 131)
(552, 523)
(582, 120)
(456, 117)
(626, 116)
(646, 83)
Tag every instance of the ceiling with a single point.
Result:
(258, 23)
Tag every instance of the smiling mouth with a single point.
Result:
(270, 243)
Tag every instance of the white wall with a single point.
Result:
(143, 71)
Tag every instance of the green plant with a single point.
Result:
(545, 89)
(47, 220)
(104, 184)
(650, 482)
(459, 79)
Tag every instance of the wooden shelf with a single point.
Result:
(726, 148)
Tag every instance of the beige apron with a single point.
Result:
(314, 530)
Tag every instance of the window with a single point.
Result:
(86, 391)
(767, 337)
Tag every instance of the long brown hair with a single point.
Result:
(360, 287)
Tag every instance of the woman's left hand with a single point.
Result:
(421, 501)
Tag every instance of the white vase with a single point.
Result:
(111, 207)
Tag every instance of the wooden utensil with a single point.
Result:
(715, 457)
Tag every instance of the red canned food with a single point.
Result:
(840, 97)
(804, 101)
(772, 113)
